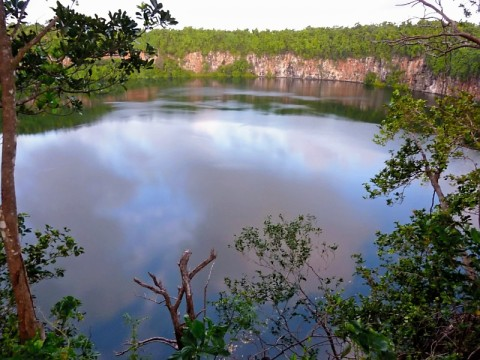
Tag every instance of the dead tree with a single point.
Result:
(173, 304)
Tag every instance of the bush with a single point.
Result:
(371, 79)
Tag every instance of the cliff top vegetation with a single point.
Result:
(360, 41)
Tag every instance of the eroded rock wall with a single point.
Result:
(415, 72)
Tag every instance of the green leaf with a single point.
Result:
(197, 328)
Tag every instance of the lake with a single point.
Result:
(171, 167)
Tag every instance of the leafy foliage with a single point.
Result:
(50, 245)
(373, 344)
(78, 54)
(433, 137)
(202, 339)
(134, 324)
(62, 341)
(153, 15)
(43, 69)
(239, 68)
(287, 308)
(371, 79)
(421, 301)
(425, 293)
(421, 296)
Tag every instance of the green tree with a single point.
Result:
(420, 296)
(424, 295)
(61, 339)
(42, 69)
(432, 137)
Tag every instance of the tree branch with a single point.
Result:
(141, 343)
(447, 22)
(24, 49)
(198, 268)
(184, 290)
(172, 309)
(438, 10)
(19, 21)
(213, 256)
(188, 276)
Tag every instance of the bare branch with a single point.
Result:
(411, 40)
(166, 341)
(450, 28)
(186, 286)
(202, 265)
(205, 288)
(157, 282)
(213, 256)
(438, 10)
(183, 290)
(149, 287)
(154, 300)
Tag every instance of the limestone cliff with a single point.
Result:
(414, 72)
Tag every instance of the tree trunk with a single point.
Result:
(28, 323)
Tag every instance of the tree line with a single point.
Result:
(359, 41)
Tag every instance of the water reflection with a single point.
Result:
(182, 170)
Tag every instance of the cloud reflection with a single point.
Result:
(143, 184)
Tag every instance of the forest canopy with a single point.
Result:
(336, 43)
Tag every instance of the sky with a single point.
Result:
(257, 14)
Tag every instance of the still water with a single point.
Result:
(176, 167)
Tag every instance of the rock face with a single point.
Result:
(413, 72)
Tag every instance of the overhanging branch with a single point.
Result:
(450, 28)
(25, 48)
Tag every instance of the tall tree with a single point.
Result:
(424, 293)
(42, 68)
(434, 136)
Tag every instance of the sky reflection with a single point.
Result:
(146, 182)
